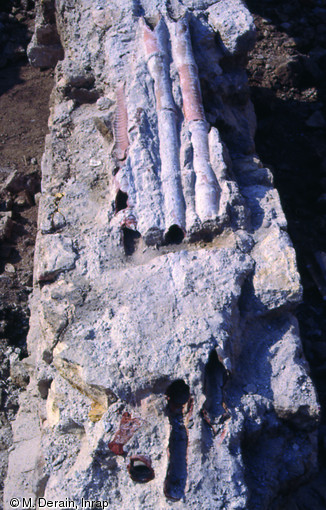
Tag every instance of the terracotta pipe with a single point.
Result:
(206, 186)
(167, 126)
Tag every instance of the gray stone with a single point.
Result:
(104, 103)
(45, 47)
(276, 282)
(6, 225)
(54, 255)
(291, 389)
(23, 199)
(18, 372)
(235, 25)
(249, 171)
(9, 268)
(44, 56)
(14, 182)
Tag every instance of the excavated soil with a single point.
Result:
(287, 75)
(24, 110)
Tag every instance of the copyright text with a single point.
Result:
(65, 504)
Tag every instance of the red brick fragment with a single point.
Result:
(127, 428)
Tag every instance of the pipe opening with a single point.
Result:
(121, 201)
(140, 469)
(174, 235)
(178, 394)
(130, 240)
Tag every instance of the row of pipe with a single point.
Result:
(206, 187)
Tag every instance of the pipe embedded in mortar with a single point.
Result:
(207, 190)
(157, 63)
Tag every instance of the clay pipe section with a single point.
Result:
(120, 126)
(206, 186)
(187, 69)
(123, 207)
(174, 206)
(127, 428)
(140, 469)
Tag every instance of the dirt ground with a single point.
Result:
(287, 75)
(24, 99)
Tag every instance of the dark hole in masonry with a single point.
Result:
(174, 235)
(214, 380)
(130, 238)
(41, 485)
(121, 201)
(152, 21)
(207, 236)
(213, 412)
(140, 469)
(47, 356)
(178, 394)
(43, 387)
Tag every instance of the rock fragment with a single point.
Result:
(276, 282)
(55, 254)
(6, 225)
(45, 48)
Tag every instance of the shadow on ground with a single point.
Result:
(287, 74)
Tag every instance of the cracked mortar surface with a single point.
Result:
(115, 320)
